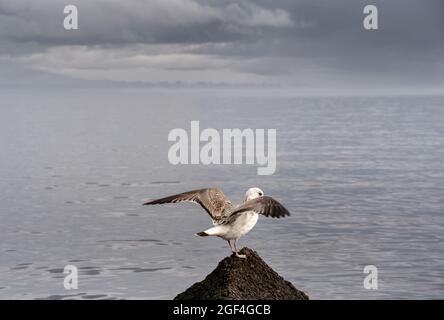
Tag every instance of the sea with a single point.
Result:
(363, 178)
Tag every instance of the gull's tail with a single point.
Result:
(214, 231)
(201, 234)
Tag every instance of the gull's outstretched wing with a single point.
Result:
(212, 200)
(266, 206)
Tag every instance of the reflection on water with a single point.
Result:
(363, 178)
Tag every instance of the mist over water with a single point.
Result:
(362, 176)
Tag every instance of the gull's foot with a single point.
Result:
(240, 255)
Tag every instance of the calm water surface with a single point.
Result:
(362, 176)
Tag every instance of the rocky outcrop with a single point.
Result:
(242, 279)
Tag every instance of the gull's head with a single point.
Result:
(253, 193)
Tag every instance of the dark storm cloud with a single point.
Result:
(312, 41)
(407, 28)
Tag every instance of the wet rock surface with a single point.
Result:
(242, 279)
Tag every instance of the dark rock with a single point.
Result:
(242, 279)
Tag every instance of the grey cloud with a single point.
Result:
(310, 41)
(119, 22)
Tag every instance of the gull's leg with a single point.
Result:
(237, 252)
(231, 246)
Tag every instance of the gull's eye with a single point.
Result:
(261, 194)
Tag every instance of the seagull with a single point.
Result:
(230, 222)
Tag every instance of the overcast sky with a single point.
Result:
(313, 43)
